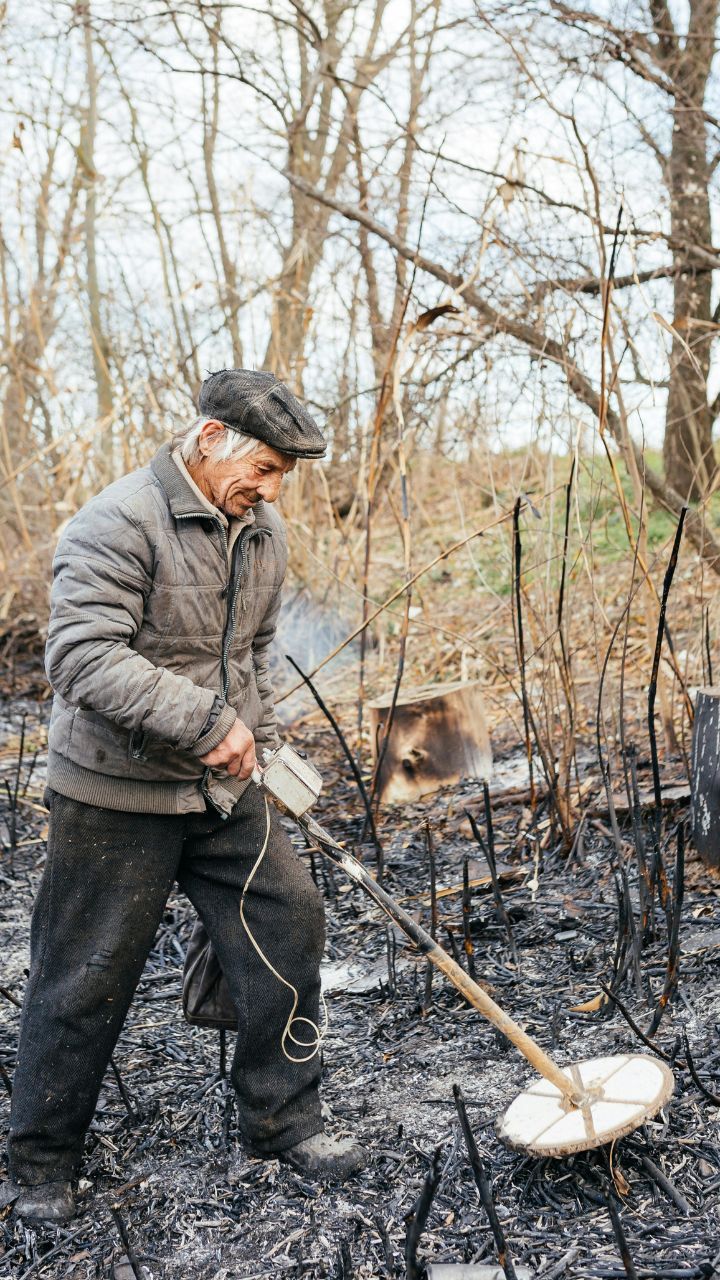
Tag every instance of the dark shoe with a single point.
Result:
(324, 1157)
(47, 1202)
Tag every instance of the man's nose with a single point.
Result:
(269, 487)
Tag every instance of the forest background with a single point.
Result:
(477, 238)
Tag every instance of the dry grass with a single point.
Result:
(462, 623)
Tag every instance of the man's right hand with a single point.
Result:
(236, 752)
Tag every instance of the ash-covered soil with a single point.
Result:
(195, 1205)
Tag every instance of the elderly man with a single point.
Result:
(165, 600)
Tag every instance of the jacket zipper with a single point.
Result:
(235, 581)
(138, 743)
(234, 586)
(237, 573)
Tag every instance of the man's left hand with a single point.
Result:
(236, 752)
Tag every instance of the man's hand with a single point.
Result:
(236, 752)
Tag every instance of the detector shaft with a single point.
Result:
(473, 993)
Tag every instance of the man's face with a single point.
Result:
(236, 486)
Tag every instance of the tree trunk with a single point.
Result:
(704, 776)
(688, 452)
(438, 735)
(228, 291)
(308, 155)
(536, 339)
(25, 352)
(100, 344)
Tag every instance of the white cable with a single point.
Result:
(313, 1045)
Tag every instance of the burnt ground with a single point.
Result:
(194, 1205)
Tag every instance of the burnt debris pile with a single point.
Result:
(605, 947)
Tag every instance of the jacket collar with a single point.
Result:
(181, 498)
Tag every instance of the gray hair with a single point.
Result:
(228, 444)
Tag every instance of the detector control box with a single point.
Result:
(291, 781)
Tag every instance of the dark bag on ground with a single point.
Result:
(206, 996)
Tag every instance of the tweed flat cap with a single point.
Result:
(259, 405)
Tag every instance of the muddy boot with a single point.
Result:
(48, 1202)
(324, 1157)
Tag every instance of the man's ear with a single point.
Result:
(208, 436)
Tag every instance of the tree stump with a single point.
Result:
(705, 776)
(438, 736)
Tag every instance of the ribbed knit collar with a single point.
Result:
(184, 497)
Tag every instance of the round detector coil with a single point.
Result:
(621, 1092)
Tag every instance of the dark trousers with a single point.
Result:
(102, 896)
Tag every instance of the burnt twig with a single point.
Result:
(633, 1024)
(621, 1239)
(354, 769)
(489, 854)
(123, 1092)
(12, 796)
(386, 1244)
(644, 880)
(565, 665)
(600, 731)
(6, 1080)
(707, 1093)
(483, 1186)
(652, 688)
(420, 1216)
(665, 1185)
(456, 952)
(467, 937)
(673, 962)
(427, 1002)
(517, 595)
(345, 1267)
(390, 954)
(131, 1254)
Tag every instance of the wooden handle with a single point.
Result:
(474, 994)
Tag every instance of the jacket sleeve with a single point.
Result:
(102, 574)
(266, 734)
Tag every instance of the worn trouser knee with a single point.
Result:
(103, 889)
(278, 1101)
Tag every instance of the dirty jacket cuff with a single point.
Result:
(217, 708)
(215, 736)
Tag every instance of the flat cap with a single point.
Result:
(259, 405)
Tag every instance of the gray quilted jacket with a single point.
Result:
(151, 622)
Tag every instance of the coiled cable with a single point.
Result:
(318, 1035)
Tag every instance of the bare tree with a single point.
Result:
(86, 152)
(319, 149)
(667, 68)
(32, 289)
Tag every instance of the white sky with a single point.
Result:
(473, 115)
